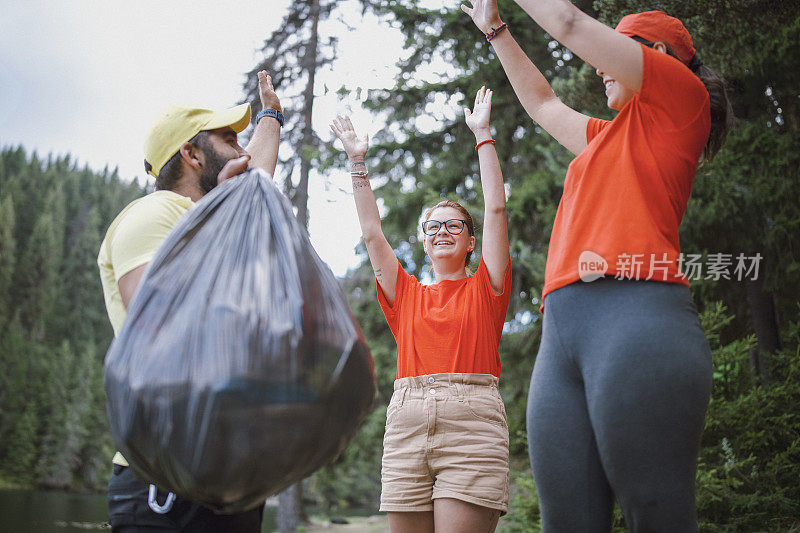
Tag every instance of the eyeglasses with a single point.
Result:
(454, 226)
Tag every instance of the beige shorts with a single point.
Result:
(446, 437)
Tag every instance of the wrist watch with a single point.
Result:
(277, 115)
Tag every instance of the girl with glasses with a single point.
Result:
(623, 375)
(445, 458)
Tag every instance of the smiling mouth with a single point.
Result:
(443, 243)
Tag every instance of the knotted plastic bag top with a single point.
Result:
(240, 368)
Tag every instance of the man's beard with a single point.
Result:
(212, 168)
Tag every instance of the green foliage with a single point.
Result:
(7, 256)
(750, 459)
(743, 202)
(53, 327)
(524, 515)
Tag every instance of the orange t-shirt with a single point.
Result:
(453, 326)
(626, 192)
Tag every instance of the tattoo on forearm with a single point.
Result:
(379, 275)
(358, 164)
(359, 183)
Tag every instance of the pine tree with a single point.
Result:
(96, 446)
(57, 456)
(293, 55)
(8, 249)
(36, 274)
(54, 330)
(80, 307)
(13, 372)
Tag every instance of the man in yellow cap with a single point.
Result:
(188, 151)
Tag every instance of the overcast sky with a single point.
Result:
(88, 77)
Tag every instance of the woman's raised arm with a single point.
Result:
(494, 244)
(606, 50)
(381, 254)
(565, 124)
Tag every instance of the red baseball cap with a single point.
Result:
(658, 26)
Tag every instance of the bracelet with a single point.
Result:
(492, 141)
(277, 115)
(492, 34)
(358, 164)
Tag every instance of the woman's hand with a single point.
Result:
(478, 118)
(381, 254)
(355, 148)
(484, 14)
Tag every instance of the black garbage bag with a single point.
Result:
(240, 368)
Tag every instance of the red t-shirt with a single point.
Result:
(453, 326)
(626, 192)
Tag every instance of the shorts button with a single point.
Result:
(431, 380)
(433, 391)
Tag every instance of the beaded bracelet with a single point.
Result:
(492, 34)
(492, 141)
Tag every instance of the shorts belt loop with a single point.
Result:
(458, 386)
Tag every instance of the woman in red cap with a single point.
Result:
(623, 376)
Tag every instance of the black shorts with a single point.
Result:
(129, 511)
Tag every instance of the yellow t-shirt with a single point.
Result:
(131, 241)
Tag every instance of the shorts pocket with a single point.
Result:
(487, 408)
(395, 408)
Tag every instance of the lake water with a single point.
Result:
(25, 511)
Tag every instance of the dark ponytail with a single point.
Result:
(721, 110)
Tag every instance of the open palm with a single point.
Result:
(353, 145)
(478, 118)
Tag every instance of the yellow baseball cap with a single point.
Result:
(176, 125)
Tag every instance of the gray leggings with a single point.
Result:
(616, 406)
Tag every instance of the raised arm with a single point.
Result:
(494, 247)
(381, 254)
(263, 145)
(565, 124)
(591, 40)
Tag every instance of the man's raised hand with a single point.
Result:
(354, 147)
(269, 100)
